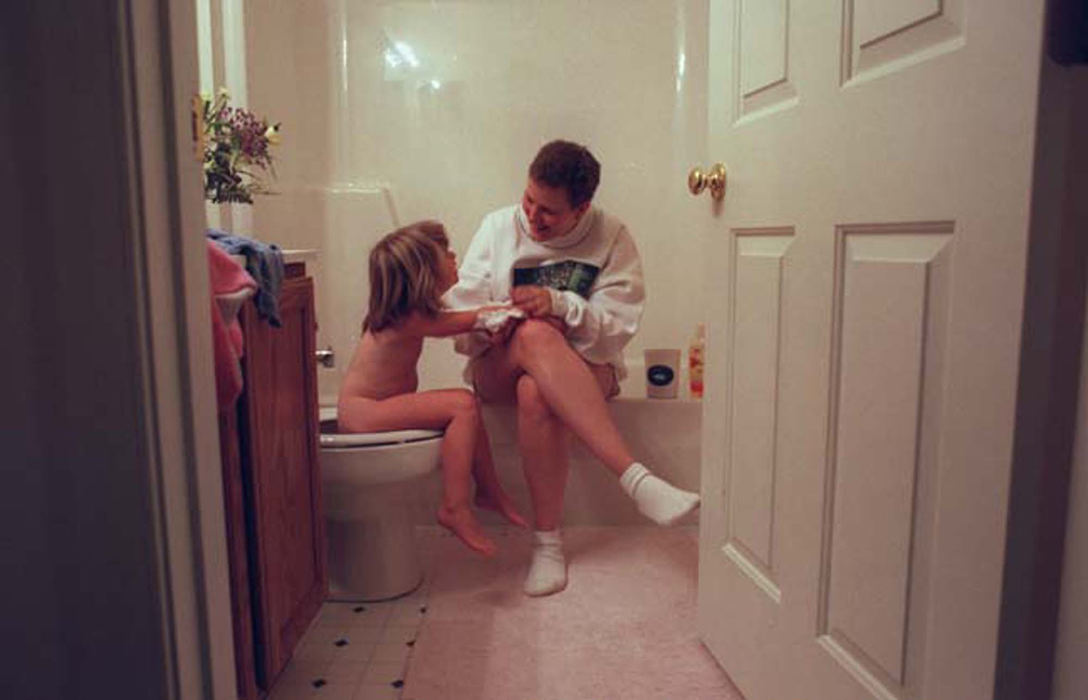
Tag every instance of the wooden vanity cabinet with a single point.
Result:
(273, 488)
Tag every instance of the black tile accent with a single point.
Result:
(359, 608)
(397, 683)
(319, 682)
(341, 642)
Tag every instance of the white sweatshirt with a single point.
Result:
(600, 320)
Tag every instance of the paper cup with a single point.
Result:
(662, 373)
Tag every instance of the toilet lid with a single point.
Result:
(392, 437)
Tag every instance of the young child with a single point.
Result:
(410, 270)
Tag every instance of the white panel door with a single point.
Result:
(866, 286)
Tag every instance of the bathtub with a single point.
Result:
(664, 434)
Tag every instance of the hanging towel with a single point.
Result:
(264, 262)
(231, 286)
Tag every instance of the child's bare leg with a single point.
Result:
(489, 491)
(452, 410)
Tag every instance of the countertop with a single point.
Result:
(299, 255)
(293, 255)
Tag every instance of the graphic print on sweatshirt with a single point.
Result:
(568, 275)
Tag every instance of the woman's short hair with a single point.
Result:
(405, 274)
(570, 166)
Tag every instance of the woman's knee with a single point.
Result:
(535, 334)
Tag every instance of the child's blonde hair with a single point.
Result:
(405, 274)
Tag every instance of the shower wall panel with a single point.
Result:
(440, 106)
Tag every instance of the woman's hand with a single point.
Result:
(534, 300)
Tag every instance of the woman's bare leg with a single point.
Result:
(570, 389)
(543, 446)
(453, 410)
(541, 433)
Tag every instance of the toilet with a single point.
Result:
(370, 483)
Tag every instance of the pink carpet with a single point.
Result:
(623, 628)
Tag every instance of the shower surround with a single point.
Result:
(394, 111)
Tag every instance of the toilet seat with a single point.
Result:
(333, 440)
(393, 437)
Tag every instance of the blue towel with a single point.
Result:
(264, 263)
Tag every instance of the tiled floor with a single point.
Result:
(354, 651)
(362, 651)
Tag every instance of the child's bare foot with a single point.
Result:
(503, 505)
(461, 522)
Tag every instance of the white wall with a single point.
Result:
(626, 78)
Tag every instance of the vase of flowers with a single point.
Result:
(236, 144)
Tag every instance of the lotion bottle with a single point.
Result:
(695, 361)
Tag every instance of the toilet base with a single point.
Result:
(338, 596)
(372, 560)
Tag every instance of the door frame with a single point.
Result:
(1051, 363)
(191, 508)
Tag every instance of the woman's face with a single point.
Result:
(549, 211)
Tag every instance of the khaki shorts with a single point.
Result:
(611, 387)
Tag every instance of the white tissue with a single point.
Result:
(493, 320)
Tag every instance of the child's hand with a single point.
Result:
(495, 319)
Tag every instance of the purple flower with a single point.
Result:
(236, 142)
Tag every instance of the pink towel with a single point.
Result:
(231, 286)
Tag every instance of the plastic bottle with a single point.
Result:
(695, 361)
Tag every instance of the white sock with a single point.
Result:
(548, 572)
(657, 499)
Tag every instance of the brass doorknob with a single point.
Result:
(715, 180)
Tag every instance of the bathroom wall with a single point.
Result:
(394, 111)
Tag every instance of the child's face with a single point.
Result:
(447, 269)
